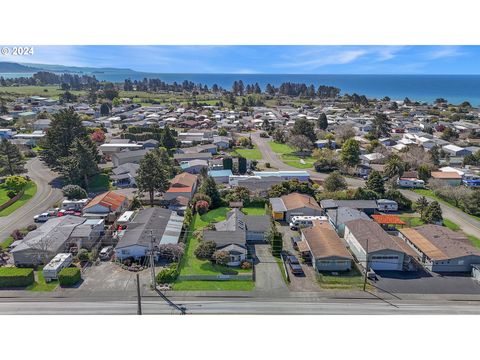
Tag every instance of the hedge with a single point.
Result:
(69, 276)
(15, 277)
(168, 275)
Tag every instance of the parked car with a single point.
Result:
(294, 264)
(106, 253)
(43, 217)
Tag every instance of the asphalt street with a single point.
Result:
(45, 198)
(233, 306)
(468, 224)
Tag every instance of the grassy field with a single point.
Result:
(237, 285)
(288, 156)
(190, 265)
(474, 240)
(29, 193)
(254, 210)
(416, 221)
(251, 154)
(51, 91)
(351, 280)
(7, 242)
(40, 284)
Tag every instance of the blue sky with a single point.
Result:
(266, 59)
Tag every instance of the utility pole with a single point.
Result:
(366, 268)
(139, 298)
(152, 259)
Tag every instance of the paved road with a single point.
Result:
(268, 277)
(45, 198)
(468, 224)
(234, 306)
(268, 155)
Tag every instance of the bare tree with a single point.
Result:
(344, 132)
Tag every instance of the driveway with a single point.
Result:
(308, 281)
(268, 155)
(424, 282)
(267, 273)
(48, 193)
(468, 224)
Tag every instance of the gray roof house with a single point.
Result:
(124, 175)
(49, 239)
(338, 217)
(162, 225)
(128, 156)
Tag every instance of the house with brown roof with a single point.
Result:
(183, 184)
(294, 204)
(327, 251)
(440, 249)
(106, 206)
(447, 177)
(384, 251)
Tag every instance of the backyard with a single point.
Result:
(30, 191)
(190, 265)
(289, 156)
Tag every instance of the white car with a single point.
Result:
(43, 217)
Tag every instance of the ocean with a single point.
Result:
(424, 88)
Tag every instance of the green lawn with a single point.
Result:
(254, 210)
(7, 242)
(52, 91)
(190, 265)
(29, 193)
(288, 156)
(40, 284)
(251, 154)
(451, 225)
(100, 182)
(350, 280)
(234, 285)
(280, 148)
(282, 269)
(416, 221)
(474, 240)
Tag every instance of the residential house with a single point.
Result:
(41, 124)
(183, 184)
(179, 158)
(128, 156)
(452, 178)
(284, 175)
(150, 227)
(366, 206)
(384, 251)
(440, 249)
(327, 251)
(55, 236)
(106, 206)
(125, 174)
(220, 176)
(194, 166)
(294, 204)
(339, 216)
(179, 205)
(222, 142)
(456, 151)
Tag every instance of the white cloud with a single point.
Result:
(445, 52)
(322, 58)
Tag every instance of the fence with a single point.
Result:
(11, 201)
(248, 276)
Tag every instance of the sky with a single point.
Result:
(246, 59)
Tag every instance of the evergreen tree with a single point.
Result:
(168, 139)
(421, 205)
(209, 187)
(152, 175)
(322, 122)
(334, 182)
(66, 126)
(304, 127)
(242, 165)
(104, 109)
(433, 213)
(424, 172)
(375, 182)
(11, 159)
(350, 155)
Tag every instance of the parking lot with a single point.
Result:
(424, 282)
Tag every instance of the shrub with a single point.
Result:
(246, 265)
(201, 207)
(11, 194)
(74, 192)
(83, 255)
(29, 154)
(17, 234)
(15, 183)
(167, 275)
(15, 277)
(221, 257)
(31, 227)
(205, 250)
(69, 276)
(267, 165)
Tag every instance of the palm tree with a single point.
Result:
(394, 166)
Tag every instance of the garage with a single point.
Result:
(385, 262)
